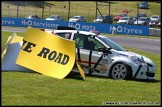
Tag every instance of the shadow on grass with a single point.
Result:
(22, 71)
(77, 76)
(74, 75)
(148, 81)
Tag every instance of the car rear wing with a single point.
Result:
(95, 31)
(58, 28)
(65, 28)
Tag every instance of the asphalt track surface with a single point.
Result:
(148, 45)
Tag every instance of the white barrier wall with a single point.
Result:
(9, 60)
(154, 32)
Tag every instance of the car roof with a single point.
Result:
(77, 16)
(75, 31)
(122, 14)
(143, 17)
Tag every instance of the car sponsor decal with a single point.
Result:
(104, 59)
(90, 62)
(83, 61)
(123, 55)
(137, 71)
(96, 64)
(98, 61)
(103, 68)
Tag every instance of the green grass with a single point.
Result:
(33, 89)
(84, 8)
(135, 36)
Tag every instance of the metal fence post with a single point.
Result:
(43, 10)
(96, 8)
(137, 12)
(69, 10)
(18, 10)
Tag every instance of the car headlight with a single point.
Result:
(138, 60)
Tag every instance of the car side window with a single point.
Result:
(64, 35)
(79, 40)
(87, 42)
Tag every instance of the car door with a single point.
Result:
(88, 56)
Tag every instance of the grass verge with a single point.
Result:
(33, 89)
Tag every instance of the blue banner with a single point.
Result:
(85, 26)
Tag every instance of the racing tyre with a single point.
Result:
(120, 71)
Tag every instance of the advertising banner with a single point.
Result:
(84, 26)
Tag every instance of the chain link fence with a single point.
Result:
(82, 8)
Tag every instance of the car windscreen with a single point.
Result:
(143, 3)
(124, 18)
(111, 43)
(142, 19)
(141, 15)
(154, 17)
(100, 17)
(75, 17)
(120, 15)
(31, 16)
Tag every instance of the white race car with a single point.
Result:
(100, 56)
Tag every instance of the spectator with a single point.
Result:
(114, 30)
(156, 22)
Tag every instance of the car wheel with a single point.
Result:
(120, 71)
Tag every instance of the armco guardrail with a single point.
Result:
(103, 28)
(154, 32)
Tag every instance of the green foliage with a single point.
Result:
(135, 36)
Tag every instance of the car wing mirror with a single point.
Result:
(105, 50)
